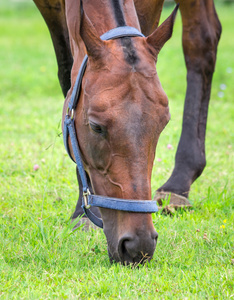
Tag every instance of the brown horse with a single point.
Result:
(122, 107)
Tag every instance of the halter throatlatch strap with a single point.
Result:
(88, 199)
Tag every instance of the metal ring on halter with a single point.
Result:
(85, 197)
(70, 113)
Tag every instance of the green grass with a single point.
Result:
(40, 258)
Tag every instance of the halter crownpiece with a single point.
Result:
(88, 199)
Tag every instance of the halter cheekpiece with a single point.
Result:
(88, 199)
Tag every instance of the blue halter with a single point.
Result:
(88, 199)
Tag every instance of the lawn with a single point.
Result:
(40, 257)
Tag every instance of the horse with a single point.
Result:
(121, 107)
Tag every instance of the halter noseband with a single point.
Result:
(88, 199)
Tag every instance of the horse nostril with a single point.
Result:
(124, 249)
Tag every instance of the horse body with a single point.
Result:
(122, 107)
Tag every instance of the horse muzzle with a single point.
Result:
(133, 248)
(131, 237)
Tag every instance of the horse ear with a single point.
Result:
(94, 45)
(163, 33)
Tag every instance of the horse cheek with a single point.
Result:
(99, 153)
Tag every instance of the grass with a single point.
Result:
(40, 257)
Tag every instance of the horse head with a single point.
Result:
(121, 112)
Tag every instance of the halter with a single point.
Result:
(88, 199)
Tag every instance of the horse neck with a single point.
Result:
(108, 14)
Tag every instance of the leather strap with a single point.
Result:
(146, 206)
(70, 128)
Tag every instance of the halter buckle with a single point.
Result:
(85, 197)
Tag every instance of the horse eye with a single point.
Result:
(96, 128)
